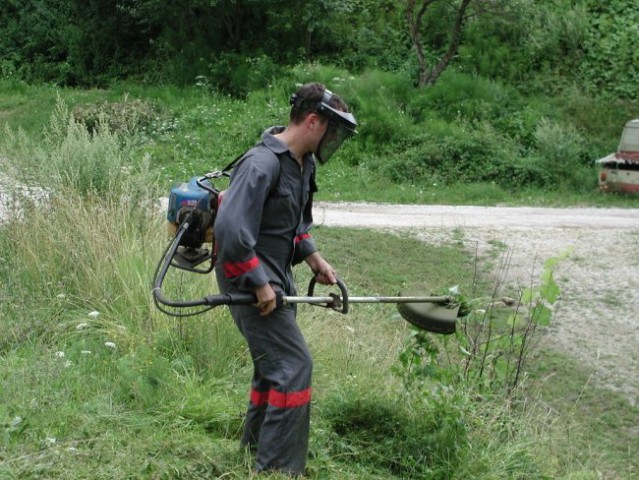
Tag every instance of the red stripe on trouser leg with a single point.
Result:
(289, 400)
(258, 398)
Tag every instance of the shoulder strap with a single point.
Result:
(232, 165)
(234, 162)
(279, 174)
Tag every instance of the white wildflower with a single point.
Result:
(109, 344)
(68, 363)
(454, 290)
(81, 326)
(94, 314)
(86, 352)
(59, 354)
(61, 296)
(51, 440)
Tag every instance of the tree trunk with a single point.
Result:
(232, 18)
(428, 75)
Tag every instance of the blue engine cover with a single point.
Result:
(186, 197)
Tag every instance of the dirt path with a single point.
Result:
(597, 319)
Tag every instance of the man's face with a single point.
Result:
(317, 128)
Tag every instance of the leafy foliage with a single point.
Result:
(611, 54)
(126, 117)
(243, 44)
(493, 345)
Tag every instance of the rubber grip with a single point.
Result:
(243, 298)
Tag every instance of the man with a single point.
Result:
(261, 230)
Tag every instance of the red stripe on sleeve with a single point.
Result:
(289, 400)
(301, 237)
(235, 269)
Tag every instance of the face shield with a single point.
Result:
(341, 125)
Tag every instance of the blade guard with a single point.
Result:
(433, 317)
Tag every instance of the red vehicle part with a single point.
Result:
(619, 171)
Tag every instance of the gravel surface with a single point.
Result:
(14, 196)
(597, 318)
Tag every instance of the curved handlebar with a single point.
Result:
(340, 302)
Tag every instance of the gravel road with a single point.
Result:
(597, 319)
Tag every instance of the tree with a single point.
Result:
(429, 72)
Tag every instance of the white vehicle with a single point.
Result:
(619, 171)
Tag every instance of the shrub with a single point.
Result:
(128, 116)
(379, 101)
(238, 75)
(612, 56)
(451, 153)
(562, 154)
(459, 95)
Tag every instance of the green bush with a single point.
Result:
(379, 100)
(611, 53)
(128, 116)
(599, 120)
(458, 95)
(562, 154)
(450, 153)
(238, 75)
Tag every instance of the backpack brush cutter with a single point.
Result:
(191, 214)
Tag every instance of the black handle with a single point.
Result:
(239, 299)
(340, 302)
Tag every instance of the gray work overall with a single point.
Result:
(262, 231)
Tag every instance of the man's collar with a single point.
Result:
(272, 143)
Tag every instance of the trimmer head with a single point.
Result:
(432, 317)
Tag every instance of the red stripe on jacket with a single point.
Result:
(301, 237)
(281, 400)
(235, 269)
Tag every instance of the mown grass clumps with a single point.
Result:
(392, 435)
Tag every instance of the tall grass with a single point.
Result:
(87, 359)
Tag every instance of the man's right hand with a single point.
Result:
(266, 299)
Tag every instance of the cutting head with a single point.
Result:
(431, 316)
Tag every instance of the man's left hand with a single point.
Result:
(324, 273)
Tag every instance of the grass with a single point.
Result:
(166, 400)
(598, 422)
(96, 383)
(72, 405)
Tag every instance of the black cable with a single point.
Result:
(161, 271)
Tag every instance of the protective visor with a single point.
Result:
(339, 129)
(341, 125)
